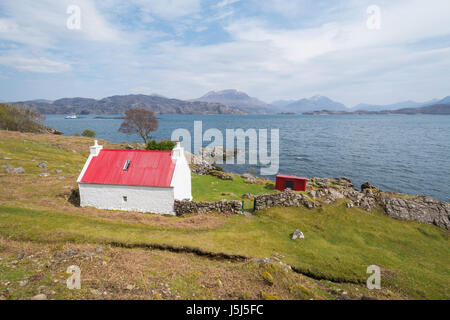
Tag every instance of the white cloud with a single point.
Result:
(34, 64)
(169, 9)
(225, 3)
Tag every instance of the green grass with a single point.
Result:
(339, 244)
(209, 188)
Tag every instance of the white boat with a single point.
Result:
(72, 116)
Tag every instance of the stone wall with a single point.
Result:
(223, 206)
(287, 198)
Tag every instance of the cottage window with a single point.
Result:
(127, 165)
(125, 198)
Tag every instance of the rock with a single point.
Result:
(39, 297)
(297, 235)
(23, 283)
(345, 182)
(70, 252)
(43, 165)
(8, 167)
(19, 170)
(44, 174)
(130, 287)
(422, 209)
(58, 171)
(21, 255)
(343, 297)
(287, 198)
(248, 196)
(99, 249)
(95, 292)
(367, 185)
(350, 204)
(221, 175)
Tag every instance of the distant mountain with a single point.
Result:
(433, 109)
(282, 103)
(313, 104)
(118, 105)
(237, 99)
(437, 109)
(446, 100)
(394, 106)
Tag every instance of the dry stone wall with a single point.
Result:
(223, 206)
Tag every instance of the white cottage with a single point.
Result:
(135, 180)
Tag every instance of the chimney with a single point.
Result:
(95, 149)
(178, 151)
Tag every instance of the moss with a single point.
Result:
(266, 296)
(268, 277)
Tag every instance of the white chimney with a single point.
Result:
(95, 149)
(178, 151)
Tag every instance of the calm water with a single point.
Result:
(409, 154)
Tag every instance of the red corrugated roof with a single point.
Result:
(147, 168)
(290, 177)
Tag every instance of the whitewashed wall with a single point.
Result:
(181, 180)
(140, 199)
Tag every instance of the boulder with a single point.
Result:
(297, 234)
(221, 175)
(43, 165)
(367, 185)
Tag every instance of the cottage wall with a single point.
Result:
(139, 199)
(181, 180)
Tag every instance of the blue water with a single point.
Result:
(401, 153)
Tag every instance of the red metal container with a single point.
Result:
(295, 183)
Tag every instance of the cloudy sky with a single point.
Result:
(271, 49)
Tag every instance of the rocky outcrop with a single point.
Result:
(421, 209)
(287, 198)
(203, 162)
(223, 206)
(415, 208)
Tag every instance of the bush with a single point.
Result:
(20, 118)
(88, 133)
(164, 145)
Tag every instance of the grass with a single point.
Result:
(340, 242)
(209, 188)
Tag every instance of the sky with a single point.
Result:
(353, 51)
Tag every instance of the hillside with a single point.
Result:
(208, 256)
(433, 109)
(237, 99)
(118, 105)
(438, 109)
(313, 104)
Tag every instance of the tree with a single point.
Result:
(20, 118)
(165, 145)
(88, 133)
(139, 121)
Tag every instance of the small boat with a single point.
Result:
(72, 116)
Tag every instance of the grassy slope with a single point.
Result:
(340, 243)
